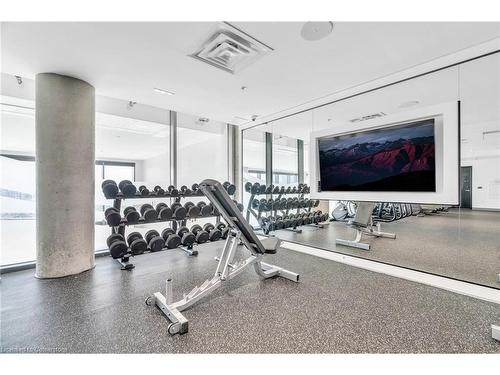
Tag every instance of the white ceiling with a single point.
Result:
(127, 60)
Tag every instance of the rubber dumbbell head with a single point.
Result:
(143, 190)
(131, 215)
(117, 245)
(185, 190)
(159, 191)
(173, 191)
(172, 240)
(136, 243)
(224, 230)
(109, 189)
(192, 209)
(229, 187)
(179, 212)
(154, 240)
(164, 212)
(248, 187)
(205, 209)
(213, 233)
(255, 188)
(195, 188)
(262, 189)
(200, 234)
(127, 188)
(149, 213)
(113, 217)
(187, 238)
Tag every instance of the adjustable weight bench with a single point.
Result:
(240, 233)
(363, 223)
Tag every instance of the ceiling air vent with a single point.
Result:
(230, 49)
(368, 117)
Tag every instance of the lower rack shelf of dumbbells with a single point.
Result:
(170, 238)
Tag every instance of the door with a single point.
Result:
(466, 187)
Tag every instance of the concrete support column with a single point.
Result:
(65, 157)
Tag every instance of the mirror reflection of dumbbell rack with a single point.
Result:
(175, 198)
(276, 193)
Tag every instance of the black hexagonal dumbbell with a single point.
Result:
(205, 209)
(143, 190)
(154, 240)
(159, 191)
(136, 243)
(187, 238)
(131, 215)
(230, 188)
(195, 188)
(192, 209)
(172, 190)
(200, 235)
(109, 189)
(172, 239)
(164, 212)
(248, 187)
(224, 230)
(117, 245)
(185, 190)
(262, 189)
(113, 217)
(255, 188)
(214, 234)
(179, 212)
(149, 213)
(127, 188)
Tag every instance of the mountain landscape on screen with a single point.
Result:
(397, 158)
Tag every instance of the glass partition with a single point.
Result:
(459, 242)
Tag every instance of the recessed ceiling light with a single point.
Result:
(408, 104)
(316, 30)
(161, 91)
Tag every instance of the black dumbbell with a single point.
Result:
(205, 209)
(113, 217)
(316, 203)
(248, 187)
(262, 189)
(192, 209)
(136, 243)
(269, 189)
(278, 222)
(288, 190)
(154, 240)
(117, 245)
(214, 234)
(131, 214)
(143, 190)
(263, 204)
(148, 213)
(255, 188)
(230, 188)
(173, 191)
(255, 204)
(164, 212)
(200, 235)
(187, 238)
(282, 190)
(276, 189)
(127, 188)
(185, 190)
(224, 230)
(195, 188)
(109, 189)
(215, 211)
(294, 190)
(159, 191)
(172, 240)
(179, 212)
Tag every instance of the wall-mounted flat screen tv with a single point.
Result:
(394, 158)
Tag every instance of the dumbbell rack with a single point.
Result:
(120, 229)
(274, 213)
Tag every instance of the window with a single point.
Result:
(285, 161)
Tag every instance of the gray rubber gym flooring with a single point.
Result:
(464, 244)
(334, 309)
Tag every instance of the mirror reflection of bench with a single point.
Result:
(241, 233)
(363, 224)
